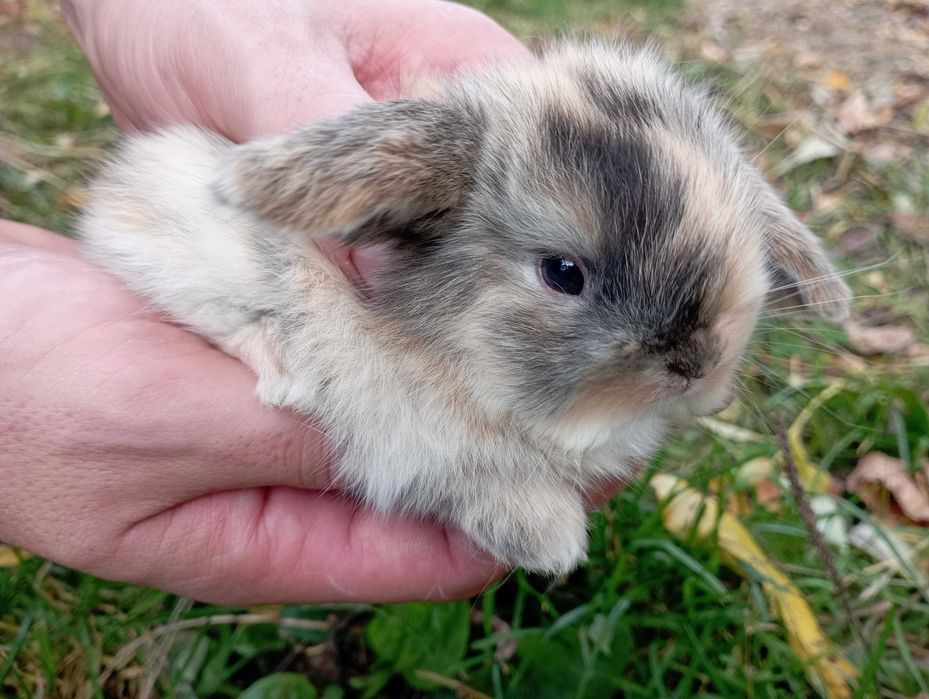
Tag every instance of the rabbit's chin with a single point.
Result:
(622, 441)
(640, 429)
(702, 402)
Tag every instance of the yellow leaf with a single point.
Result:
(11, 557)
(813, 479)
(686, 512)
(72, 198)
(837, 81)
(755, 470)
(733, 433)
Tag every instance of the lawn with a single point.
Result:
(674, 602)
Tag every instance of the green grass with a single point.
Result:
(651, 615)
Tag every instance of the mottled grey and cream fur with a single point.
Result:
(465, 385)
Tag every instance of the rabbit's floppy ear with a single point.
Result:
(802, 279)
(358, 178)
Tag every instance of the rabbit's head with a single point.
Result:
(579, 232)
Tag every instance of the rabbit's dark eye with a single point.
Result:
(562, 274)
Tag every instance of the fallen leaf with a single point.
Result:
(912, 225)
(878, 339)
(883, 153)
(877, 476)
(814, 479)
(711, 51)
(837, 81)
(854, 114)
(11, 557)
(768, 495)
(908, 94)
(733, 433)
(72, 198)
(810, 149)
(857, 239)
(755, 470)
(808, 59)
(687, 513)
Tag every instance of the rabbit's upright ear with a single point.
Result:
(802, 279)
(361, 177)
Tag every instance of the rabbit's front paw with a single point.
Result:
(541, 529)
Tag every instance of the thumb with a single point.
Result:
(286, 94)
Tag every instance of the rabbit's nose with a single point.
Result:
(692, 361)
(689, 368)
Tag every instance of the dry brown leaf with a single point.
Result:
(857, 239)
(768, 495)
(911, 225)
(72, 198)
(808, 59)
(712, 51)
(907, 94)
(877, 474)
(879, 339)
(854, 114)
(883, 153)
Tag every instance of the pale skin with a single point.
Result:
(132, 449)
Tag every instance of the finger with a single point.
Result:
(471, 38)
(291, 89)
(442, 38)
(286, 545)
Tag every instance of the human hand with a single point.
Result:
(134, 450)
(247, 68)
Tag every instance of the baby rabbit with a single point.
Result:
(577, 254)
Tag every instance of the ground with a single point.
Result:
(725, 590)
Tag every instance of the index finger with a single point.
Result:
(290, 545)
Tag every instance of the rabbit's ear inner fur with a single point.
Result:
(802, 279)
(361, 177)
